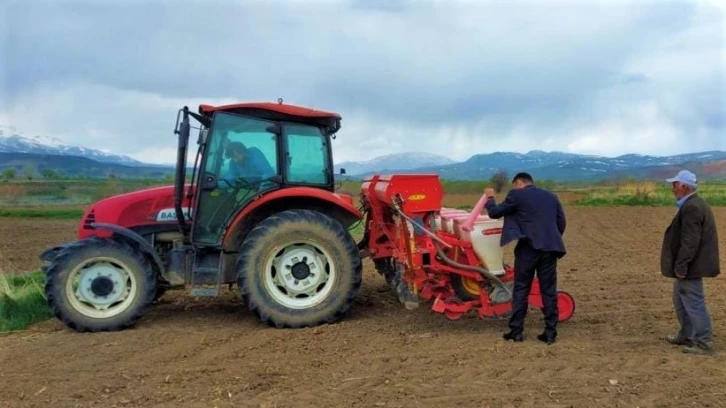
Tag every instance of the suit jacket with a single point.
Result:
(690, 243)
(533, 214)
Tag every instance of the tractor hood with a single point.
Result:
(139, 208)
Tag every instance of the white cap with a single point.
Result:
(685, 177)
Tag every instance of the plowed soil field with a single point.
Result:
(202, 353)
(22, 240)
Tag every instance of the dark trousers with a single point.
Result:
(527, 261)
(689, 302)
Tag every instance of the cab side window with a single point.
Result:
(307, 158)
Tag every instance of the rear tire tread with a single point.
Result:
(256, 303)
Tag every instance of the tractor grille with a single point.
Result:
(90, 219)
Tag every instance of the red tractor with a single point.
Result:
(260, 211)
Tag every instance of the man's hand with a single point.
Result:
(507, 207)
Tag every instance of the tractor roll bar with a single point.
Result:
(181, 168)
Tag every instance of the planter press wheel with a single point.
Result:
(451, 315)
(566, 306)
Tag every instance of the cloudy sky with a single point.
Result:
(457, 78)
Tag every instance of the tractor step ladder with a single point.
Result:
(206, 275)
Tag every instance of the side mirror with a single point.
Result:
(342, 170)
(203, 136)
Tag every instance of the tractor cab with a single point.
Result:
(247, 150)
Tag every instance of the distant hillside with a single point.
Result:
(13, 140)
(36, 164)
(41, 153)
(573, 167)
(393, 162)
(704, 170)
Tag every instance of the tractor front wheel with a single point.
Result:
(299, 268)
(99, 285)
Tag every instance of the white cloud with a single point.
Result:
(132, 123)
(632, 129)
(441, 77)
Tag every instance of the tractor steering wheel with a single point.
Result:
(238, 184)
(246, 183)
(251, 184)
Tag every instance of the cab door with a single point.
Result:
(230, 180)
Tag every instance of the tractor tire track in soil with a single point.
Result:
(207, 353)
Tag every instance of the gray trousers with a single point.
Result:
(690, 305)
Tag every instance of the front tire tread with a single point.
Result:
(75, 253)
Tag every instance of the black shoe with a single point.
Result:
(516, 337)
(703, 349)
(547, 338)
(678, 341)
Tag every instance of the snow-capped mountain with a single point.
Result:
(394, 162)
(547, 165)
(12, 140)
(18, 150)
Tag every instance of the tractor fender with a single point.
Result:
(130, 234)
(285, 199)
(48, 255)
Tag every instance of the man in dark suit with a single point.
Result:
(689, 254)
(535, 218)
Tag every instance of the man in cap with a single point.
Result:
(689, 254)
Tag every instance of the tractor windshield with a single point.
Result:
(240, 147)
(240, 160)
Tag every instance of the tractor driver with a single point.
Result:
(245, 163)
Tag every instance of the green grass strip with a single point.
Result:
(653, 201)
(44, 213)
(22, 301)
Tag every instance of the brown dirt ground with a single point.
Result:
(189, 353)
(22, 240)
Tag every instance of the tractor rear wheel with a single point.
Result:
(299, 268)
(100, 285)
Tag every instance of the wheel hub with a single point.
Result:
(102, 285)
(299, 276)
(301, 270)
